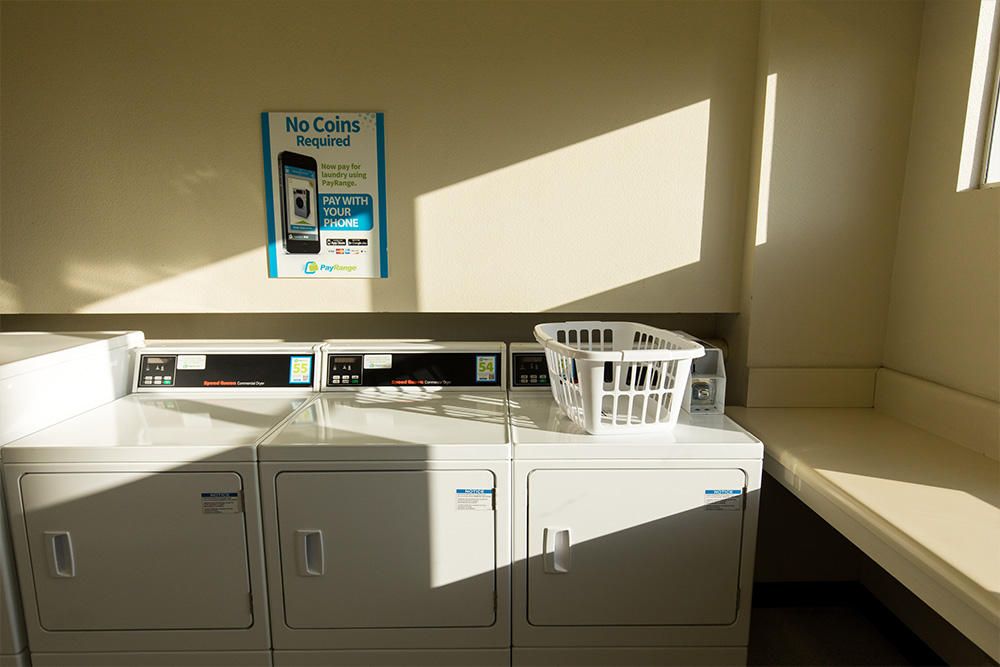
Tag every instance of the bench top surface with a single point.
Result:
(931, 500)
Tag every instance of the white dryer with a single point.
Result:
(51, 365)
(38, 376)
(628, 549)
(387, 512)
(136, 525)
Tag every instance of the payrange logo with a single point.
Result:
(312, 268)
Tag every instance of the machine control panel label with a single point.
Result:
(301, 370)
(724, 499)
(486, 368)
(474, 499)
(378, 361)
(191, 362)
(228, 502)
(225, 371)
(157, 371)
(343, 370)
(417, 369)
(529, 370)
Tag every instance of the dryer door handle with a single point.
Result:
(59, 549)
(310, 552)
(558, 550)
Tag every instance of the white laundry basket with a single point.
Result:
(617, 377)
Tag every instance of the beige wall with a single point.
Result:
(792, 168)
(835, 87)
(944, 311)
(572, 156)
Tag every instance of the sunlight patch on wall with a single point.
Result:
(766, 152)
(10, 301)
(582, 220)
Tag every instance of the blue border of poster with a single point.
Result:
(325, 192)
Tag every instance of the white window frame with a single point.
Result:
(991, 161)
(982, 126)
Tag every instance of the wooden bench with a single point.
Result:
(914, 482)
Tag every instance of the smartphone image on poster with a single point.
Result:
(299, 203)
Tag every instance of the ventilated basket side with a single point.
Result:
(565, 384)
(617, 377)
(633, 396)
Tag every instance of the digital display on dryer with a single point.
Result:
(529, 370)
(343, 371)
(157, 371)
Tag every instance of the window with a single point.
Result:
(991, 174)
(980, 165)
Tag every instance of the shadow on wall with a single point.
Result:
(553, 152)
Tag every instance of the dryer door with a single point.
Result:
(137, 550)
(387, 549)
(634, 547)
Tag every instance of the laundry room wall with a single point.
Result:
(742, 171)
(540, 156)
(835, 91)
(944, 311)
(861, 250)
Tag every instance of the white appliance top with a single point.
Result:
(396, 400)
(395, 424)
(22, 352)
(150, 428)
(540, 430)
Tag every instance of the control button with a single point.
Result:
(335, 380)
(167, 379)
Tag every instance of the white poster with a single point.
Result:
(324, 176)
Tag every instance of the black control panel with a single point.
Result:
(226, 371)
(343, 370)
(529, 369)
(157, 371)
(421, 369)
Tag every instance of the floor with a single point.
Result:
(823, 624)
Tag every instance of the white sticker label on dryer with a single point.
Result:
(723, 499)
(474, 499)
(191, 362)
(486, 368)
(372, 361)
(228, 502)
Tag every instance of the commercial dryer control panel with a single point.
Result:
(217, 368)
(528, 368)
(438, 365)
